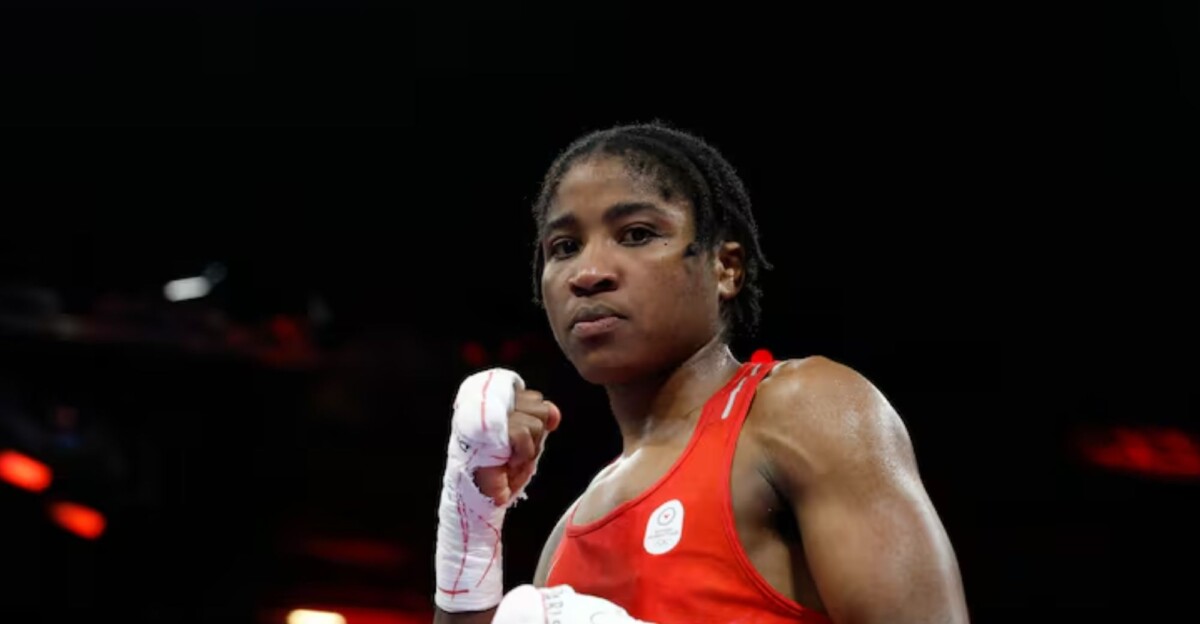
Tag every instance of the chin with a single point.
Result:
(598, 367)
(611, 365)
(604, 376)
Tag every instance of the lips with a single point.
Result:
(593, 313)
(594, 320)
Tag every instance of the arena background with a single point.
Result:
(982, 209)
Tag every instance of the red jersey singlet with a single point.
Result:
(672, 554)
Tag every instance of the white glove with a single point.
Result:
(560, 604)
(468, 557)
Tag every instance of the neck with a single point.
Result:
(660, 407)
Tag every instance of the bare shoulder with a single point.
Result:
(815, 415)
(819, 393)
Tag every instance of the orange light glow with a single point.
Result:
(24, 472)
(78, 519)
(310, 616)
(329, 614)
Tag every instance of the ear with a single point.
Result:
(730, 269)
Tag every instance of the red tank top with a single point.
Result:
(672, 554)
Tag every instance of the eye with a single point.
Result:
(637, 235)
(563, 247)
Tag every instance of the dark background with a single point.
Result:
(981, 209)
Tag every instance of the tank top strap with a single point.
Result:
(730, 405)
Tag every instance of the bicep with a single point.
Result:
(873, 541)
(878, 552)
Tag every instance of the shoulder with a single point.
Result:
(816, 382)
(814, 415)
(821, 392)
(801, 378)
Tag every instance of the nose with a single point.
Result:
(593, 275)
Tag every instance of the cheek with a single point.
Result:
(550, 296)
(681, 297)
(705, 295)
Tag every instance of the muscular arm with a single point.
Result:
(874, 543)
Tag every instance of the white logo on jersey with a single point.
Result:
(664, 529)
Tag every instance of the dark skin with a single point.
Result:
(827, 499)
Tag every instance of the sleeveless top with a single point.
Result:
(672, 555)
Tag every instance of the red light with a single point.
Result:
(1155, 451)
(286, 330)
(78, 519)
(761, 356)
(474, 354)
(24, 472)
(511, 350)
(361, 552)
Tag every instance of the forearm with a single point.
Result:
(466, 617)
(468, 560)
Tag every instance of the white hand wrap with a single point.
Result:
(559, 604)
(468, 559)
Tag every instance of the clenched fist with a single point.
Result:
(530, 420)
(498, 431)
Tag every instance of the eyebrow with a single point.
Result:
(614, 213)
